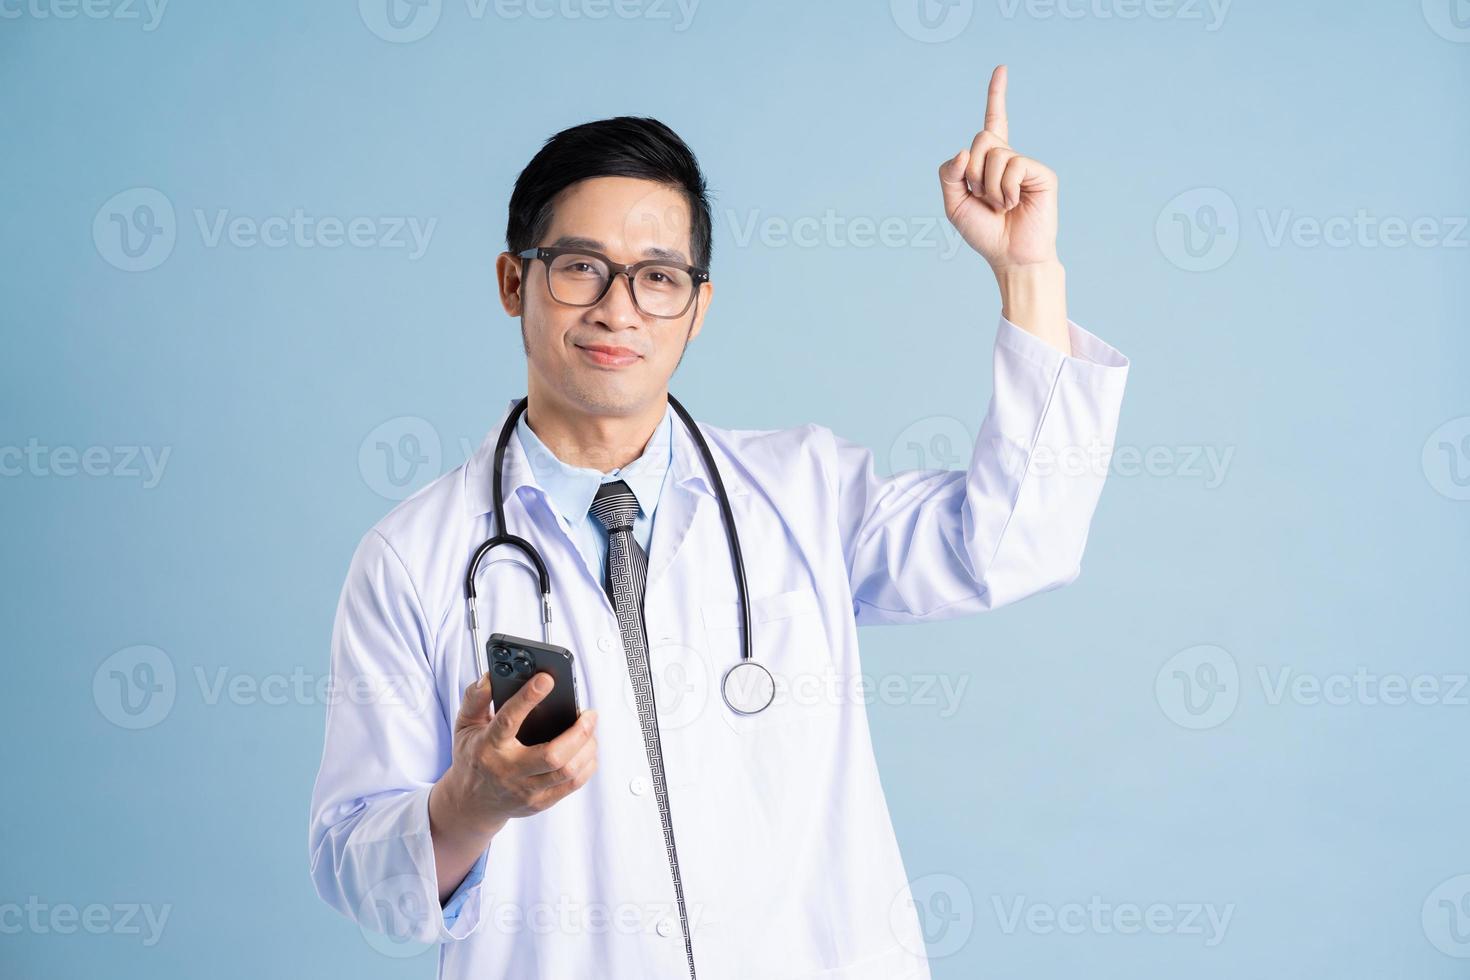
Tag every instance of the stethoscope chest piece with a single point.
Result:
(748, 688)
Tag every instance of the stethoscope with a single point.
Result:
(747, 686)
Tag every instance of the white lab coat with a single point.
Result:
(789, 861)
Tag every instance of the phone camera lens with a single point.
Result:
(502, 669)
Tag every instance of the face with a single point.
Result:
(610, 358)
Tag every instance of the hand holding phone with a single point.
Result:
(494, 774)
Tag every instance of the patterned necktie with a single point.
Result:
(624, 577)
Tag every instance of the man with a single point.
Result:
(665, 834)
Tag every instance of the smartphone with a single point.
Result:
(513, 662)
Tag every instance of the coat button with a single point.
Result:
(638, 786)
(664, 927)
(605, 643)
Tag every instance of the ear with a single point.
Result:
(701, 307)
(512, 286)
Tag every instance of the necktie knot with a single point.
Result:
(615, 506)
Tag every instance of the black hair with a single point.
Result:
(625, 146)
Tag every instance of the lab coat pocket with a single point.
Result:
(791, 643)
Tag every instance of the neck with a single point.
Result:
(600, 442)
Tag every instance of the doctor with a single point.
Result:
(665, 834)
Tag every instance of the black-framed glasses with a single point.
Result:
(582, 277)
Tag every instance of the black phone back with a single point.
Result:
(513, 662)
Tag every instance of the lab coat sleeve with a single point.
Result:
(932, 544)
(387, 742)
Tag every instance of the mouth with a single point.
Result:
(608, 356)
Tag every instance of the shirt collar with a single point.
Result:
(479, 470)
(572, 488)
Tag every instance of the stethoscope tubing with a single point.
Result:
(543, 579)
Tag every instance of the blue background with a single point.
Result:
(1334, 540)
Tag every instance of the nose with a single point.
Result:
(617, 310)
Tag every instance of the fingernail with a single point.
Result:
(542, 683)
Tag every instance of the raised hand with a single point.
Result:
(1002, 203)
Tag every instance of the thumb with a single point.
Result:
(474, 709)
(952, 180)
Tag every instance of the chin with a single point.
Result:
(598, 396)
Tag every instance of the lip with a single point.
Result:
(609, 356)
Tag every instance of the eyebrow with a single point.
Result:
(653, 251)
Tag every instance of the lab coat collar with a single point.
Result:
(688, 469)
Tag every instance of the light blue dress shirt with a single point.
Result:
(571, 489)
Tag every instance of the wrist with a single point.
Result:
(453, 817)
(1034, 297)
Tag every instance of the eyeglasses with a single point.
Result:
(581, 277)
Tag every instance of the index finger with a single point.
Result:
(995, 104)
